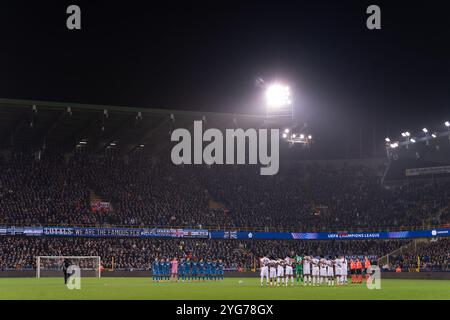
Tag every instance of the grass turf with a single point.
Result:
(230, 288)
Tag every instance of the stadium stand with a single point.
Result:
(56, 190)
(92, 168)
(137, 254)
(430, 256)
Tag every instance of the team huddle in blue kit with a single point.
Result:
(187, 269)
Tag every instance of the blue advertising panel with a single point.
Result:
(104, 232)
(202, 233)
(330, 236)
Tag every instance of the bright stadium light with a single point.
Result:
(407, 133)
(387, 140)
(394, 145)
(284, 135)
(278, 95)
(286, 130)
(412, 140)
(447, 124)
(310, 137)
(403, 134)
(293, 136)
(302, 136)
(425, 130)
(434, 135)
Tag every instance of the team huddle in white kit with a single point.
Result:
(315, 271)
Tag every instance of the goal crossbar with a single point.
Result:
(94, 265)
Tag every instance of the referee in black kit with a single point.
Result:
(66, 265)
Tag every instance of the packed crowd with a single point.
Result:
(318, 197)
(47, 191)
(138, 254)
(152, 192)
(433, 256)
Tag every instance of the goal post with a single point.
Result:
(51, 266)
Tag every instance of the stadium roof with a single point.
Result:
(67, 124)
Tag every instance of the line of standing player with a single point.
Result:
(187, 269)
(309, 270)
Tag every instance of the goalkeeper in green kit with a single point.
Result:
(299, 268)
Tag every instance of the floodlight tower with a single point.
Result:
(280, 110)
(447, 124)
(406, 135)
(427, 136)
(279, 101)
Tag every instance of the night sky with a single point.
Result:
(349, 83)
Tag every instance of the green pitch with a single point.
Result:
(231, 288)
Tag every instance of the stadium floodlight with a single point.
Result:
(295, 138)
(394, 145)
(278, 95)
(447, 124)
(412, 140)
(83, 142)
(112, 144)
(286, 130)
(434, 135)
(387, 140)
(425, 130)
(403, 134)
(141, 145)
(407, 134)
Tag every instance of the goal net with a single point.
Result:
(52, 266)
